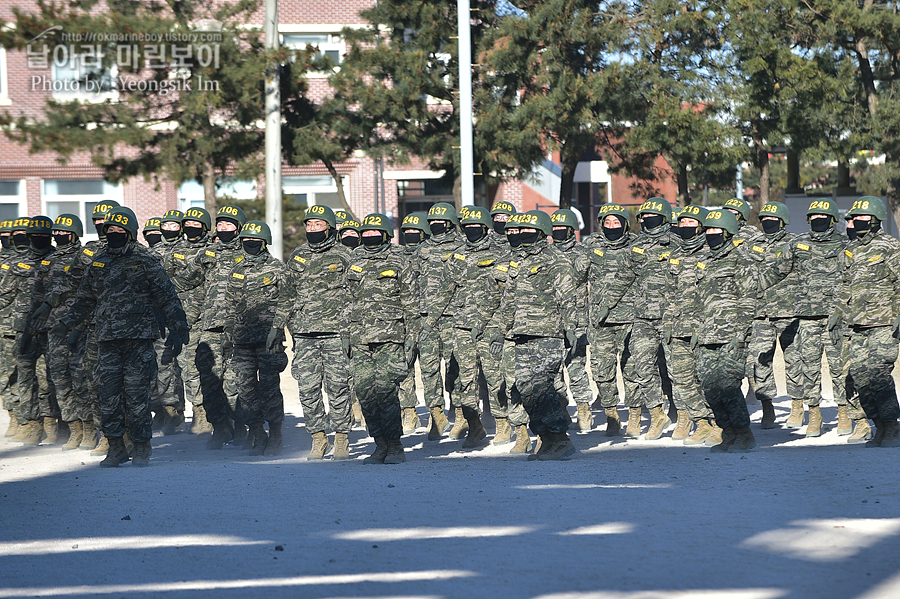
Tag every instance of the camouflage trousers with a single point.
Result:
(9, 388)
(472, 357)
(62, 366)
(762, 355)
(515, 411)
(812, 340)
(258, 383)
(433, 347)
(167, 388)
(321, 361)
(686, 390)
(125, 369)
(721, 372)
(86, 379)
(871, 354)
(579, 383)
(217, 384)
(189, 373)
(611, 346)
(538, 362)
(408, 396)
(649, 364)
(377, 370)
(36, 397)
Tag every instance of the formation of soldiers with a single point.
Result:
(115, 338)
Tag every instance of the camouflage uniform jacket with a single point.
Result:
(477, 283)
(609, 260)
(255, 290)
(778, 289)
(539, 296)
(8, 258)
(750, 234)
(648, 269)
(816, 260)
(434, 286)
(123, 289)
(683, 299)
(18, 284)
(726, 289)
(177, 262)
(498, 241)
(316, 289)
(58, 285)
(209, 270)
(869, 292)
(579, 255)
(383, 306)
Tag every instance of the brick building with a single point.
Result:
(40, 184)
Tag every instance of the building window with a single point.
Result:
(77, 196)
(4, 80)
(81, 76)
(330, 45)
(313, 191)
(191, 195)
(418, 195)
(12, 200)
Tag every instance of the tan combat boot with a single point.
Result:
(585, 418)
(634, 423)
(258, 439)
(659, 420)
(795, 420)
(21, 432)
(13, 427)
(503, 433)
(172, 421)
(75, 435)
(560, 448)
(880, 430)
(715, 437)
(199, 424)
(141, 454)
(683, 426)
(273, 447)
(35, 432)
(613, 424)
(116, 453)
(768, 414)
(701, 434)
(891, 434)
(51, 430)
(341, 447)
(410, 421)
(222, 433)
(728, 437)
(861, 431)
(743, 441)
(460, 425)
(814, 426)
(320, 447)
(544, 443)
(523, 441)
(102, 448)
(129, 444)
(439, 424)
(395, 452)
(356, 410)
(476, 434)
(88, 435)
(845, 425)
(381, 451)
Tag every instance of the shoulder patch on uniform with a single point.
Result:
(599, 252)
(701, 266)
(803, 246)
(756, 248)
(210, 253)
(534, 269)
(99, 264)
(23, 265)
(237, 275)
(849, 253)
(514, 264)
(875, 258)
(637, 250)
(674, 261)
(332, 267)
(45, 262)
(459, 257)
(388, 273)
(66, 269)
(447, 257)
(6, 266)
(664, 255)
(88, 252)
(179, 256)
(238, 259)
(300, 259)
(502, 268)
(267, 281)
(485, 263)
(778, 255)
(356, 268)
(737, 242)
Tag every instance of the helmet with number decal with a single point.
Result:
(537, 219)
(565, 218)
(233, 213)
(742, 207)
(20, 224)
(200, 215)
(350, 225)
(776, 209)
(6, 226)
(475, 215)
(69, 223)
(658, 206)
(871, 205)
(502, 207)
(692, 211)
(256, 229)
(102, 208)
(152, 224)
(340, 216)
(823, 206)
(443, 211)
(320, 212)
(613, 209)
(40, 225)
(172, 216)
(417, 221)
(722, 219)
(122, 217)
(379, 222)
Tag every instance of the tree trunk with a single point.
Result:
(457, 192)
(209, 188)
(684, 192)
(339, 183)
(762, 161)
(569, 155)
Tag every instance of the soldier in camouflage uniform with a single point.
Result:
(537, 314)
(682, 318)
(868, 303)
(776, 315)
(349, 233)
(125, 288)
(611, 313)
(36, 407)
(435, 342)
(8, 388)
(727, 292)
(54, 293)
(152, 232)
(414, 230)
(747, 232)
(315, 285)
(255, 290)
(500, 214)
(381, 312)
(565, 224)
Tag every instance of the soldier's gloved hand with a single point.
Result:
(896, 328)
(181, 329)
(39, 316)
(476, 334)
(695, 340)
(274, 340)
(345, 345)
(409, 348)
(228, 343)
(571, 343)
(668, 335)
(161, 324)
(602, 314)
(427, 329)
(72, 341)
(834, 331)
(25, 343)
(59, 330)
(497, 346)
(732, 345)
(174, 346)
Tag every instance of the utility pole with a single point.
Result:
(466, 160)
(273, 135)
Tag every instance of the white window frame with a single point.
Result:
(312, 190)
(82, 94)
(21, 198)
(195, 198)
(331, 29)
(4, 79)
(111, 192)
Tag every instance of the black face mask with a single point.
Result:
(116, 240)
(98, 226)
(652, 221)
(253, 246)
(563, 234)
(316, 237)
(413, 237)
(499, 226)
(820, 225)
(514, 239)
(153, 238)
(474, 234)
(613, 234)
(4, 241)
(351, 241)
(851, 234)
(687, 233)
(170, 235)
(438, 227)
(861, 227)
(40, 242)
(715, 240)
(193, 232)
(20, 240)
(529, 238)
(372, 242)
(226, 236)
(62, 240)
(770, 227)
